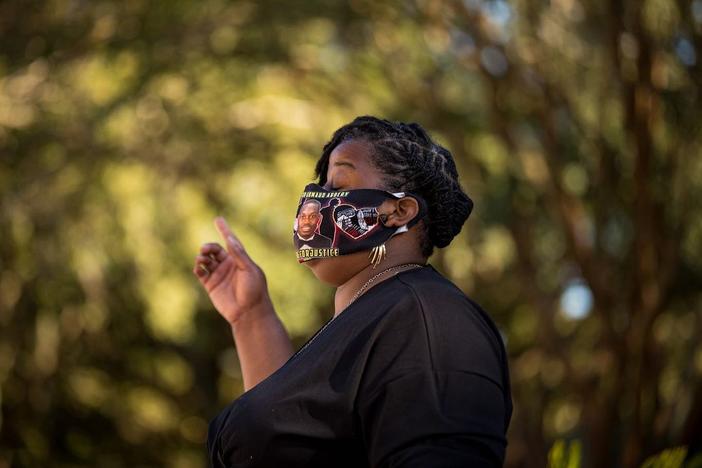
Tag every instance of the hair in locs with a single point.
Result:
(410, 161)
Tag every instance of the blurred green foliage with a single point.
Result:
(569, 455)
(126, 126)
(671, 458)
(565, 454)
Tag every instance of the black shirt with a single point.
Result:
(412, 374)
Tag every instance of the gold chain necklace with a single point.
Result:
(397, 268)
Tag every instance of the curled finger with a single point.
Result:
(201, 271)
(208, 260)
(214, 249)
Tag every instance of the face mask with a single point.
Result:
(329, 224)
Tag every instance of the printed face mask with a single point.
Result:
(329, 224)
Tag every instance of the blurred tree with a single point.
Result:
(594, 128)
(126, 126)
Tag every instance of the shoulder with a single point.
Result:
(426, 290)
(458, 334)
(435, 364)
(427, 284)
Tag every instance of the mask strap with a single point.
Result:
(422, 211)
(400, 230)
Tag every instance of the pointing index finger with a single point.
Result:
(226, 232)
(234, 245)
(222, 227)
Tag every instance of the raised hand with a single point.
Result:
(236, 285)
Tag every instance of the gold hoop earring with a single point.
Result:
(377, 254)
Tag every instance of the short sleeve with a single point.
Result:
(421, 405)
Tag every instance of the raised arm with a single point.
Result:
(237, 288)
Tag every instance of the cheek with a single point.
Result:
(387, 207)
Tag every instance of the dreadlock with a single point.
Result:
(410, 162)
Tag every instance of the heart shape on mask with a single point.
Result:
(355, 222)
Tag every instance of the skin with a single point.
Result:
(237, 287)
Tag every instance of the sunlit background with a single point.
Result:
(127, 126)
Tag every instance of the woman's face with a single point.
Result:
(350, 167)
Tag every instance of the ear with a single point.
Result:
(399, 212)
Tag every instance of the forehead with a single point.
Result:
(310, 206)
(356, 151)
(354, 158)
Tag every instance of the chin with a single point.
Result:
(336, 270)
(322, 270)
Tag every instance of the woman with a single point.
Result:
(409, 372)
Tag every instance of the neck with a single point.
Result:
(346, 291)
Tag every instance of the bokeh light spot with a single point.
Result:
(576, 300)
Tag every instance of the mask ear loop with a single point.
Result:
(379, 252)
